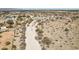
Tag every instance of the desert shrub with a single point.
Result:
(28, 16)
(14, 47)
(46, 41)
(43, 48)
(1, 24)
(39, 31)
(22, 46)
(7, 43)
(38, 38)
(40, 23)
(29, 21)
(10, 22)
(0, 36)
(4, 48)
(20, 18)
(66, 29)
(75, 17)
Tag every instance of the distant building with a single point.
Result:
(2, 29)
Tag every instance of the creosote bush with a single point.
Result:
(10, 22)
(7, 43)
(14, 47)
(4, 48)
(39, 31)
(46, 41)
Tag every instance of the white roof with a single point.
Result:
(3, 29)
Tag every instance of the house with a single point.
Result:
(2, 29)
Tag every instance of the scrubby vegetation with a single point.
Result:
(46, 41)
(7, 43)
(14, 47)
(10, 22)
(4, 48)
(39, 30)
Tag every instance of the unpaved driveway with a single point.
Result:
(32, 43)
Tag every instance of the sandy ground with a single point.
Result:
(6, 36)
(30, 34)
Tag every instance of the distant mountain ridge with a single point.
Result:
(40, 9)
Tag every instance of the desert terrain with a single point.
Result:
(39, 30)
